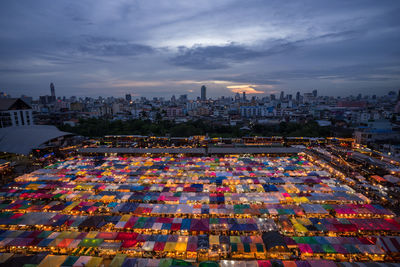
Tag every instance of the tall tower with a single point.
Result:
(298, 96)
(52, 98)
(203, 93)
(52, 90)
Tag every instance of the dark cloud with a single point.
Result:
(252, 78)
(112, 47)
(358, 72)
(288, 45)
(212, 57)
(221, 57)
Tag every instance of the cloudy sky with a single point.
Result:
(159, 48)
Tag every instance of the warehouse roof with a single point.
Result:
(22, 139)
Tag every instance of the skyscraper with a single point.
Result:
(315, 93)
(52, 89)
(203, 93)
(237, 97)
(128, 97)
(244, 97)
(183, 98)
(53, 93)
(282, 96)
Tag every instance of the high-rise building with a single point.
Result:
(282, 95)
(315, 93)
(298, 96)
(183, 98)
(244, 97)
(237, 97)
(203, 93)
(128, 97)
(272, 97)
(52, 97)
(52, 90)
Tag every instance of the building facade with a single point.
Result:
(15, 112)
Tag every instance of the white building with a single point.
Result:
(15, 112)
(256, 111)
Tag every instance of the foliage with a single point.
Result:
(99, 127)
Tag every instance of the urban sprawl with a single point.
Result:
(200, 200)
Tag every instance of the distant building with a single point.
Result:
(256, 111)
(4, 95)
(183, 98)
(237, 97)
(244, 97)
(308, 97)
(352, 104)
(77, 106)
(15, 112)
(315, 93)
(298, 96)
(203, 93)
(397, 107)
(45, 99)
(376, 132)
(173, 112)
(128, 97)
(52, 90)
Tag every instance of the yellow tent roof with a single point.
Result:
(214, 240)
(64, 234)
(94, 262)
(181, 247)
(92, 234)
(52, 261)
(170, 246)
(118, 260)
(71, 206)
(300, 228)
(125, 218)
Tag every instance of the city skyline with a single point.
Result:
(163, 48)
(282, 95)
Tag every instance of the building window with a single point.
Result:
(5, 119)
(28, 118)
(16, 118)
(21, 113)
